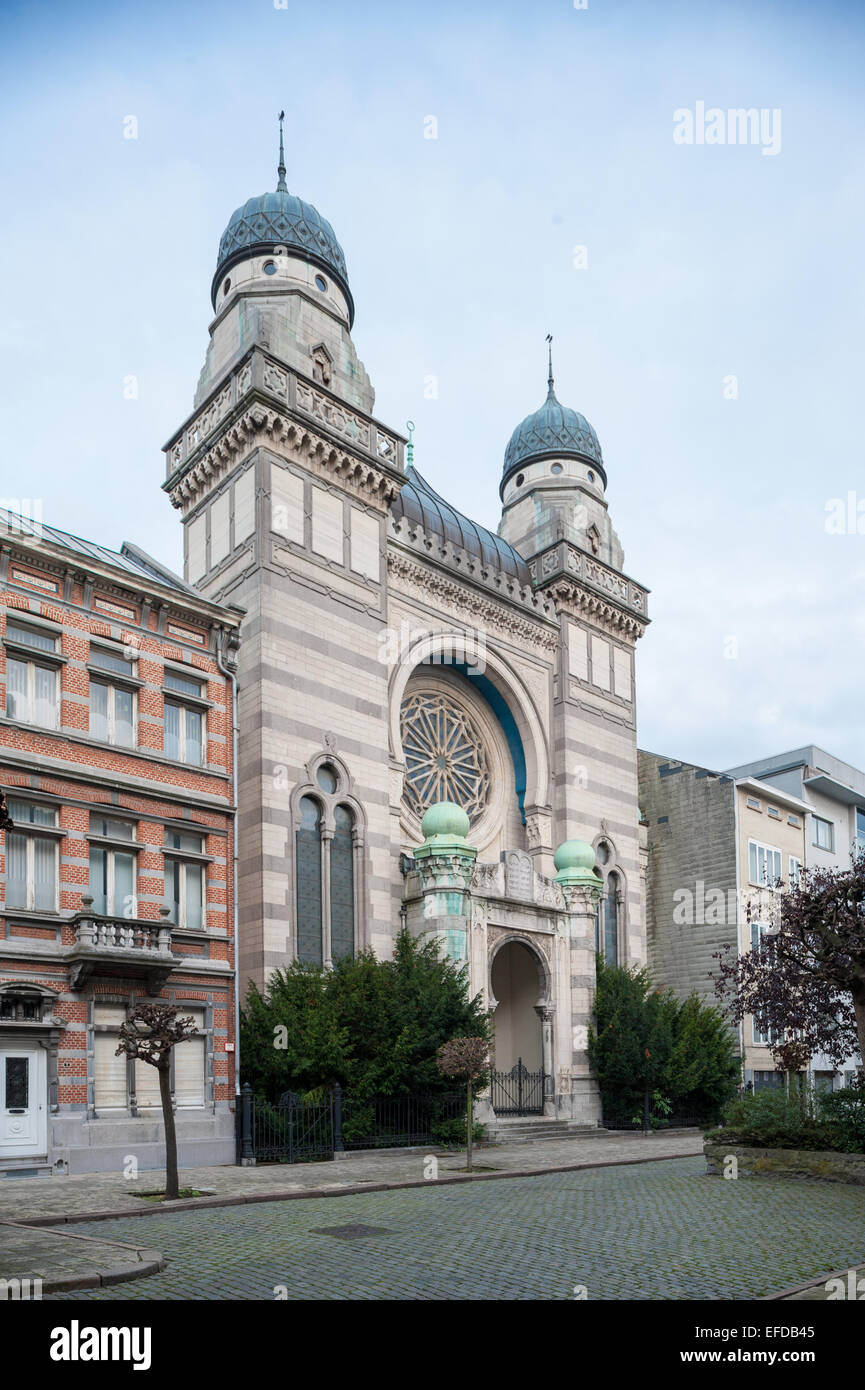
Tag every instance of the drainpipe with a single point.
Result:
(235, 895)
(736, 856)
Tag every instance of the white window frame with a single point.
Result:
(821, 820)
(31, 665)
(110, 904)
(184, 710)
(30, 834)
(758, 846)
(796, 867)
(112, 686)
(186, 859)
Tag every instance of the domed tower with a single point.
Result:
(553, 484)
(281, 282)
(283, 480)
(555, 515)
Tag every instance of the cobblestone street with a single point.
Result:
(655, 1231)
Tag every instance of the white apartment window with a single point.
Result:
(112, 882)
(32, 684)
(184, 878)
(112, 705)
(774, 812)
(184, 733)
(764, 864)
(792, 820)
(753, 803)
(795, 871)
(112, 714)
(763, 1037)
(860, 827)
(31, 858)
(824, 833)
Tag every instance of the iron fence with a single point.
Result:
(292, 1131)
(518, 1091)
(633, 1118)
(295, 1130)
(388, 1122)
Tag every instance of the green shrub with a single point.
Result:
(453, 1132)
(844, 1111)
(775, 1120)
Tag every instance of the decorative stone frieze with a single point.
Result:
(493, 610)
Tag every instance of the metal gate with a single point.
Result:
(518, 1091)
(291, 1131)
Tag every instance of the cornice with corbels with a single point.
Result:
(491, 611)
(263, 423)
(572, 598)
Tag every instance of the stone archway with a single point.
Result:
(518, 985)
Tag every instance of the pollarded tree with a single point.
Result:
(465, 1059)
(805, 980)
(148, 1035)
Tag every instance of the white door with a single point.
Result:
(22, 1102)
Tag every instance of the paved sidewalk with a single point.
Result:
(47, 1261)
(52, 1201)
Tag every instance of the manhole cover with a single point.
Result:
(352, 1232)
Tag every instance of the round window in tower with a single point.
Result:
(591, 477)
(269, 267)
(520, 479)
(320, 282)
(226, 285)
(557, 469)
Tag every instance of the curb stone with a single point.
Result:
(339, 1190)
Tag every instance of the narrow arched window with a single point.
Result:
(611, 920)
(342, 884)
(309, 918)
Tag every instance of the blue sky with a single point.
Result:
(555, 130)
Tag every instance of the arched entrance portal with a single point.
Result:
(518, 984)
(518, 989)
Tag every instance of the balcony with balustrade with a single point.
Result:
(125, 947)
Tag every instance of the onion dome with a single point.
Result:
(554, 431)
(281, 219)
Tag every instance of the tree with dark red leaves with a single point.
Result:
(805, 982)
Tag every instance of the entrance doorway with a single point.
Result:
(23, 1119)
(518, 984)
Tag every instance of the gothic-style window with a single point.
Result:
(308, 871)
(444, 756)
(342, 884)
(611, 920)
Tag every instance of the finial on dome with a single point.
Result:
(550, 391)
(409, 424)
(282, 186)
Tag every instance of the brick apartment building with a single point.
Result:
(116, 762)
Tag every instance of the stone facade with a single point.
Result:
(379, 623)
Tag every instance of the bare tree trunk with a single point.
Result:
(172, 1188)
(469, 1126)
(859, 1011)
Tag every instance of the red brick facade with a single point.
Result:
(103, 802)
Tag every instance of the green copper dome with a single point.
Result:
(553, 431)
(445, 818)
(574, 855)
(281, 219)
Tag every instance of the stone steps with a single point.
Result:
(540, 1130)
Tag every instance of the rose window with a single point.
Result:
(444, 756)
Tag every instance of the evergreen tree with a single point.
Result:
(374, 1026)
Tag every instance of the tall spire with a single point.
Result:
(409, 424)
(550, 391)
(282, 186)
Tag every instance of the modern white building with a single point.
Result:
(835, 830)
